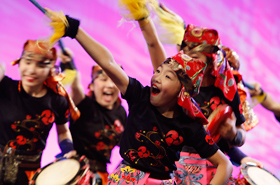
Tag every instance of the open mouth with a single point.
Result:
(107, 93)
(155, 90)
(108, 96)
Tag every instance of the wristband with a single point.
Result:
(142, 22)
(68, 65)
(72, 29)
(66, 146)
(236, 155)
(237, 140)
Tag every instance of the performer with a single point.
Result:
(28, 109)
(213, 92)
(265, 100)
(157, 126)
(102, 120)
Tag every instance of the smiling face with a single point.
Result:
(165, 88)
(105, 91)
(34, 70)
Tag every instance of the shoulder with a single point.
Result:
(135, 91)
(87, 101)
(9, 85)
(57, 98)
(8, 80)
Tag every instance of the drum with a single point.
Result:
(217, 117)
(63, 172)
(253, 175)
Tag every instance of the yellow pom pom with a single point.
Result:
(69, 77)
(170, 26)
(135, 9)
(59, 23)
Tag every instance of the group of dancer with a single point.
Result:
(163, 140)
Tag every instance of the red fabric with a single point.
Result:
(53, 82)
(192, 169)
(38, 47)
(207, 42)
(190, 72)
(201, 35)
(224, 77)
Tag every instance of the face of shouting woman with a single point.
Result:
(165, 88)
(105, 91)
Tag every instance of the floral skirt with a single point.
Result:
(192, 169)
(125, 175)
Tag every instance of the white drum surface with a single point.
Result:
(262, 177)
(58, 173)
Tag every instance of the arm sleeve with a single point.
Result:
(62, 111)
(202, 142)
(134, 92)
(236, 155)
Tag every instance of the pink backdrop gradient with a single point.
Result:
(250, 27)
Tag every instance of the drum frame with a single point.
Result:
(243, 170)
(84, 167)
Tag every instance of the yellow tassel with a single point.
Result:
(170, 26)
(69, 77)
(135, 9)
(59, 23)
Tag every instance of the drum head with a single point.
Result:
(258, 176)
(58, 173)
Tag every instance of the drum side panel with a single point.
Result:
(262, 177)
(58, 173)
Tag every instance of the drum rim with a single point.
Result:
(243, 170)
(83, 164)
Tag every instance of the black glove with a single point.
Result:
(72, 30)
(68, 65)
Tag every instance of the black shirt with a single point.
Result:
(98, 130)
(152, 142)
(25, 121)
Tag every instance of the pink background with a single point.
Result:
(250, 27)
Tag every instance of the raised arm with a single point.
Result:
(72, 76)
(77, 92)
(2, 71)
(103, 57)
(266, 101)
(271, 105)
(156, 50)
(99, 53)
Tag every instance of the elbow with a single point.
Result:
(230, 166)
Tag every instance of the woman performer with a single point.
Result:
(213, 92)
(157, 125)
(28, 109)
(99, 128)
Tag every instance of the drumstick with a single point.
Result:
(38, 6)
(249, 86)
(44, 11)
(62, 47)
